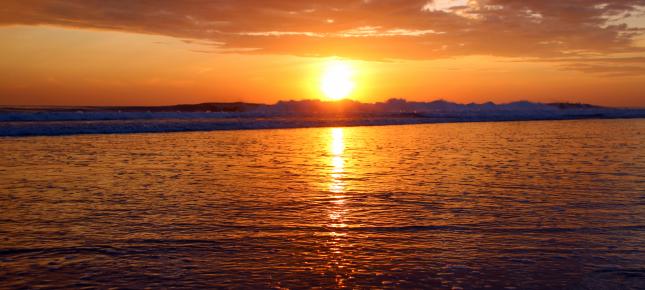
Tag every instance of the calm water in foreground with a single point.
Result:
(516, 205)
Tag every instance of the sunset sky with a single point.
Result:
(127, 52)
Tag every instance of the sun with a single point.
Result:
(336, 82)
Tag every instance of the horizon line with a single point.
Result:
(318, 100)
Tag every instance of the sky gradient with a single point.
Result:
(125, 52)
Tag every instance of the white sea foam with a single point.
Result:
(291, 114)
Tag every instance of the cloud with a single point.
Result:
(615, 66)
(607, 70)
(375, 29)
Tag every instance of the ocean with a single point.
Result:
(488, 205)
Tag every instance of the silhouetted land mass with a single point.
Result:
(317, 107)
(202, 107)
(574, 106)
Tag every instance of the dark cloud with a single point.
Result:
(373, 29)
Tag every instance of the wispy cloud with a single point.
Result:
(615, 66)
(607, 69)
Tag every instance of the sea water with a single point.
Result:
(515, 205)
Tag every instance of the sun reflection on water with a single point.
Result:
(337, 148)
(338, 207)
(336, 183)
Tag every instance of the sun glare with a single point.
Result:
(336, 82)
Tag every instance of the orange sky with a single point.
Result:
(168, 52)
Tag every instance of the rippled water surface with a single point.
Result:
(526, 205)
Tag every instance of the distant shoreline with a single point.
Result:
(247, 107)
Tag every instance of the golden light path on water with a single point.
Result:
(338, 210)
(337, 148)
(336, 184)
